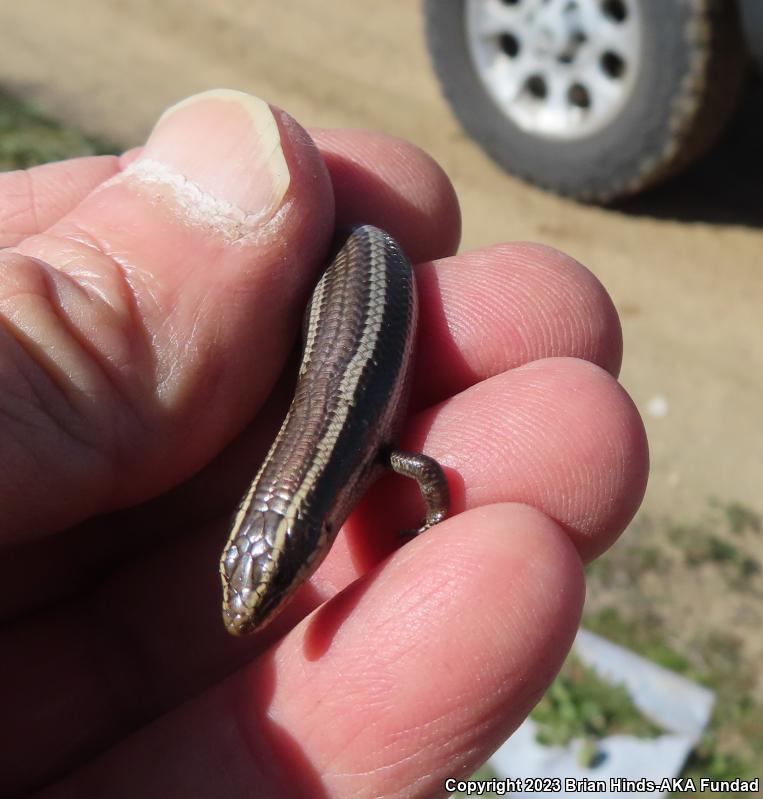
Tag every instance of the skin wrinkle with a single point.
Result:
(393, 765)
(184, 349)
(12, 213)
(8, 238)
(32, 199)
(85, 281)
(19, 366)
(374, 695)
(67, 429)
(121, 268)
(126, 291)
(396, 767)
(105, 369)
(29, 346)
(21, 444)
(27, 422)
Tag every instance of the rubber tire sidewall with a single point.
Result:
(652, 135)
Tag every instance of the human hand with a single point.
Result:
(149, 306)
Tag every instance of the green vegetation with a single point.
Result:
(581, 705)
(739, 518)
(719, 539)
(701, 545)
(28, 138)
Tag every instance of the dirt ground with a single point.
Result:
(683, 265)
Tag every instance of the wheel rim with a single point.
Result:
(559, 69)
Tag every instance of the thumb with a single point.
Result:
(144, 328)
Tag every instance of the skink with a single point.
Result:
(339, 432)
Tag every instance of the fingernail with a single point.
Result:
(227, 145)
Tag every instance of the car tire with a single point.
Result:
(684, 80)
